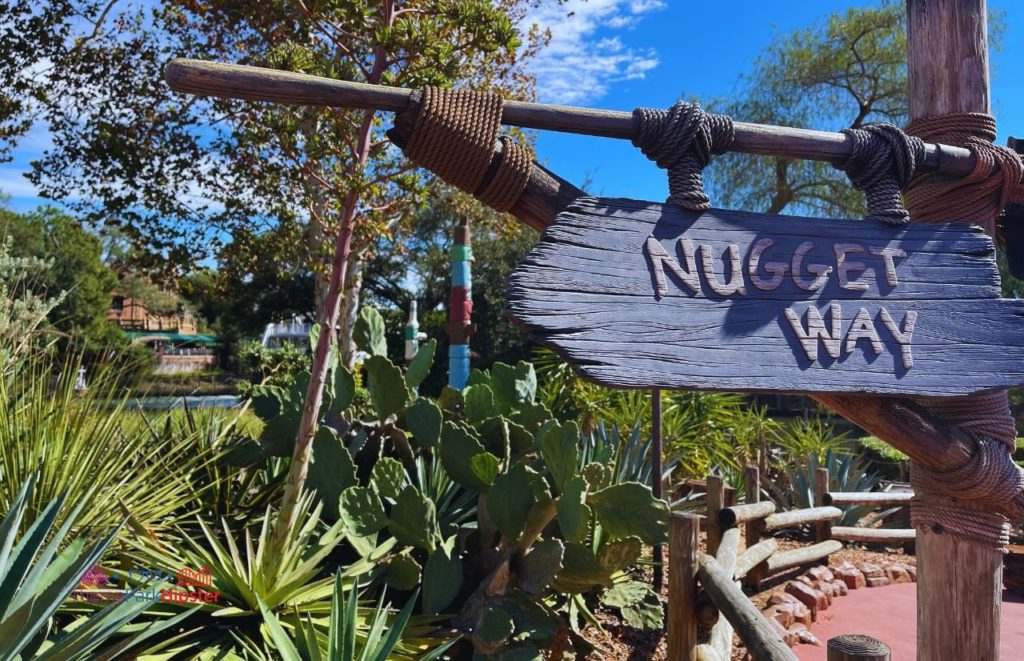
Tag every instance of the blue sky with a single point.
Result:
(700, 49)
(621, 54)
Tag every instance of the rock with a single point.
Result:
(877, 581)
(840, 587)
(808, 581)
(787, 637)
(821, 573)
(802, 614)
(870, 569)
(808, 596)
(828, 591)
(804, 635)
(912, 573)
(851, 576)
(897, 573)
(781, 613)
(780, 597)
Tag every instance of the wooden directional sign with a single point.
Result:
(637, 294)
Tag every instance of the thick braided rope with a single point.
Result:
(881, 162)
(453, 137)
(960, 502)
(682, 140)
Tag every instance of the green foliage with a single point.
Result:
(368, 332)
(542, 530)
(278, 366)
(74, 271)
(343, 642)
(88, 449)
(846, 473)
(812, 438)
(22, 311)
(36, 577)
(882, 449)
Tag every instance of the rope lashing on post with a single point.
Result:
(882, 161)
(682, 140)
(453, 137)
(959, 502)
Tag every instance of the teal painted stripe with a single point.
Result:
(461, 253)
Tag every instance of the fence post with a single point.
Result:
(715, 501)
(752, 487)
(823, 529)
(683, 546)
(855, 647)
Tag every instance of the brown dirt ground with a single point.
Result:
(623, 642)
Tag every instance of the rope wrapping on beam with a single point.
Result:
(964, 501)
(881, 163)
(682, 140)
(453, 137)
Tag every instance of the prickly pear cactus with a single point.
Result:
(479, 497)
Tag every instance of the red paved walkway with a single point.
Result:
(888, 614)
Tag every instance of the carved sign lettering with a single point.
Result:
(637, 294)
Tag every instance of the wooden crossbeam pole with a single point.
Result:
(236, 81)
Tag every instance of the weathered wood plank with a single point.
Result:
(737, 514)
(637, 294)
(893, 536)
(802, 556)
(762, 642)
(873, 498)
(801, 517)
(754, 556)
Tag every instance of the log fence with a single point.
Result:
(705, 587)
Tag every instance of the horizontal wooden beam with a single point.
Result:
(801, 556)
(753, 556)
(236, 81)
(802, 517)
(737, 514)
(874, 498)
(890, 536)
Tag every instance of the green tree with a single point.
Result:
(76, 270)
(182, 176)
(844, 72)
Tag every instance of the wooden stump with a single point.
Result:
(855, 647)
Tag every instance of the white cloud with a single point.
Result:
(585, 56)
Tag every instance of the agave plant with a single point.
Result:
(36, 578)
(249, 580)
(846, 473)
(347, 636)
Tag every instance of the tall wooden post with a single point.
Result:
(822, 529)
(683, 547)
(959, 584)
(657, 486)
(715, 501)
(752, 491)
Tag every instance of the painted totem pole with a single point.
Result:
(460, 308)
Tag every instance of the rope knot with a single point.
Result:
(882, 161)
(682, 140)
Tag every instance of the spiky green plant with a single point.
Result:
(36, 578)
(79, 445)
(347, 636)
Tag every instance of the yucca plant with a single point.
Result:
(80, 446)
(36, 578)
(249, 579)
(354, 632)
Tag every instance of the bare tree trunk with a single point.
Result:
(328, 321)
(350, 307)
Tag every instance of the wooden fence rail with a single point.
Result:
(707, 587)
